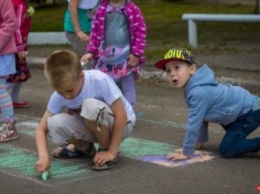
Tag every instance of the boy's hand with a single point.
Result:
(177, 155)
(102, 157)
(42, 165)
(132, 60)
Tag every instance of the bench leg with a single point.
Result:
(192, 31)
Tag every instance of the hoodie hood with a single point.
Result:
(203, 76)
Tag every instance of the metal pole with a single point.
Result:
(256, 7)
(193, 39)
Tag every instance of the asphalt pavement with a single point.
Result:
(141, 168)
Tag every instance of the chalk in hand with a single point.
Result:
(44, 175)
(83, 63)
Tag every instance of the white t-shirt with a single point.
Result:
(86, 4)
(96, 85)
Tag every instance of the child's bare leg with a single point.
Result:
(102, 133)
(71, 132)
(99, 119)
(79, 143)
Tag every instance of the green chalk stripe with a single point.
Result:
(134, 147)
(23, 162)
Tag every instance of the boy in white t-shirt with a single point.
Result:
(86, 107)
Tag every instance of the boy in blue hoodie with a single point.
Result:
(236, 109)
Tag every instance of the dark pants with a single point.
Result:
(234, 143)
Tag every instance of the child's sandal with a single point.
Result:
(64, 152)
(108, 165)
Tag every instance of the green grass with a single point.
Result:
(166, 28)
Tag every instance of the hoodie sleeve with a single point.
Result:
(203, 133)
(196, 128)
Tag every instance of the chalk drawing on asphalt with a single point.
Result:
(199, 156)
(20, 162)
(154, 152)
(144, 150)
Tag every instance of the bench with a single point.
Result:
(47, 38)
(193, 18)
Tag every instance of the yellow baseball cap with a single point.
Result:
(175, 55)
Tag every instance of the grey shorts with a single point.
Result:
(79, 46)
(65, 126)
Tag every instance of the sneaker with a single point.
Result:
(8, 132)
(21, 104)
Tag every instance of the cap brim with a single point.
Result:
(161, 64)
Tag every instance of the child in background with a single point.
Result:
(7, 66)
(97, 111)
(15, 81)
(117, 43)
(77, 23)
(233, 107)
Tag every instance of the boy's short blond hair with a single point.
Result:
(62, 68)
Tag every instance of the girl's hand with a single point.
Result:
(21, 55)
(30, 11)
(86, 58)
(82, 36)
(132, 60)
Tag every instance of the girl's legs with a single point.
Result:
(6, 102)
(128, 87)
(15, 91)
(8, 131)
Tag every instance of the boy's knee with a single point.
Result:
(98, 112)
(93, 109)
(54, 121)
(90, 106)
(57, 127)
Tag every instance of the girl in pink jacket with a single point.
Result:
(117, 43)
(7, 66)
(22, 74)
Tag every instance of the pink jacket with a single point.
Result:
(24, 24)
(7, 27)
(137, 29)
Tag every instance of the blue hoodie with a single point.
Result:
(210, 101)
